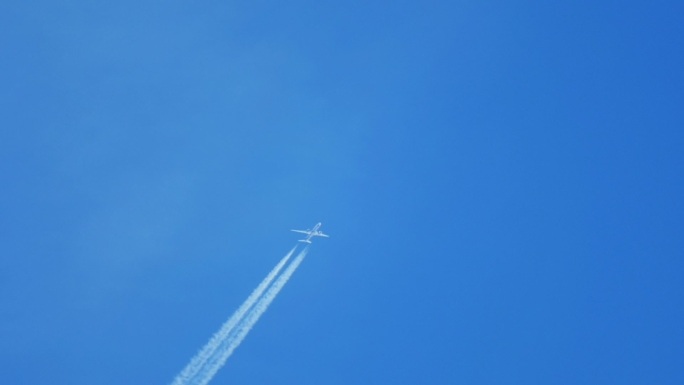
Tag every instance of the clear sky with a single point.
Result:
(502, 183)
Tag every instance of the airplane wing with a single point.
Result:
(301, 231)
(323, 235)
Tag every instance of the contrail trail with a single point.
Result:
(239, 334)
(197, 363)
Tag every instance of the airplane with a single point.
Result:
(311, 233)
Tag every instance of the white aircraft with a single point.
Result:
(312, 233)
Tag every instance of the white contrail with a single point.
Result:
(239, 334)
(196, 365)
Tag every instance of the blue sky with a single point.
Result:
(502, 183)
